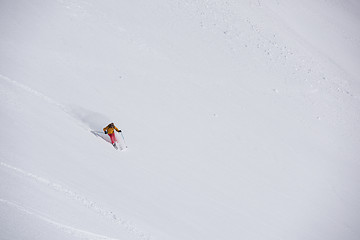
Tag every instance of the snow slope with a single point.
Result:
(241, 119)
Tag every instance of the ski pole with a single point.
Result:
(123, 139)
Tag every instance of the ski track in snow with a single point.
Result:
(45, 98)
(68, 229)
(53, 102)
(129, 227)
(126, 225)
(34, 92)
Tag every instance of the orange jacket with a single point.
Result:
(110, 129)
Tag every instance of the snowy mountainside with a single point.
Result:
(241, 119)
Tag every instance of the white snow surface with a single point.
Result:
(241, 118)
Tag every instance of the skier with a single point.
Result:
(109, 129)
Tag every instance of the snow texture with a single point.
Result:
(241, 119)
